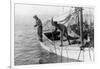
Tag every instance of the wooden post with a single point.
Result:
(81, 24)
(81, 30)
(78, 18)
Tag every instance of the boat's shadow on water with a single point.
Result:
(47, 58)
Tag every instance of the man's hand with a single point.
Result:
(55, 30)
(35, 25)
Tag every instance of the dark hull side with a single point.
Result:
(55, 36)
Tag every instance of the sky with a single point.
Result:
(21, 9)
(24, 13)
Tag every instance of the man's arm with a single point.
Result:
(38, 23)
(35, 25)
(55, 30)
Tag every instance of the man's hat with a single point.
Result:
(55, 22)
(34, 16)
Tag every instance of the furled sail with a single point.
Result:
(67, 19)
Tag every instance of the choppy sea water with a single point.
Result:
(27, 50)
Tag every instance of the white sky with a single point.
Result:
(21, 9)
(24, 13)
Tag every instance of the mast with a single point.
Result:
(81, 30)
(79, 12)
(81, 24)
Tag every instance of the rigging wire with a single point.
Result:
(54, 47)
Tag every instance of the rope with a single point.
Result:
(54, 46)
(61, 54)
(90, 54)
(66, 51)
(70, 17)
(61, 44)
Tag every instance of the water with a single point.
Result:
(27, 49)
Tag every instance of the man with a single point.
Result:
(63, 30)
(39, 25)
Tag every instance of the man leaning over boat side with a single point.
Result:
(39, 27)
(63, 30)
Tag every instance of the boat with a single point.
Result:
(68, 51)
(51, 43)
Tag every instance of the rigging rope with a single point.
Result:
(55, 47)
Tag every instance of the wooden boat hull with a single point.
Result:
(67, 51)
